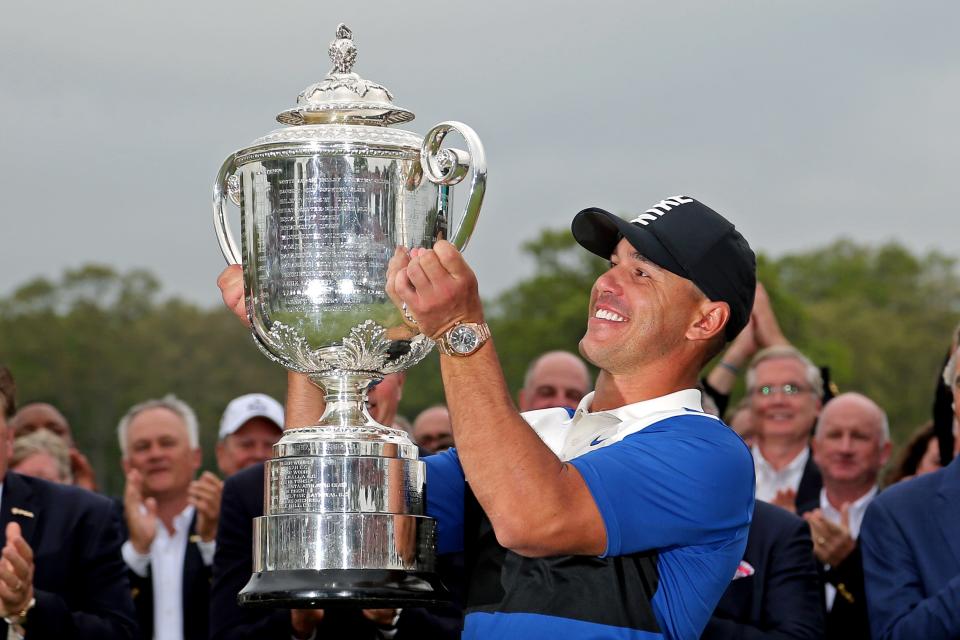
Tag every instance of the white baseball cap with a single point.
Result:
(252, 405)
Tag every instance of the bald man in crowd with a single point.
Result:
(850, 446)
(40, 415)
(432, 429)
(554, 379)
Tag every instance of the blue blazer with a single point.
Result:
(910, 540)
(79, 579)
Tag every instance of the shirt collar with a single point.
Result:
(181, 523)
(688, 399)
(856, 511)
(858, 505)
(799, 462)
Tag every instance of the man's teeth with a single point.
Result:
(603, 314)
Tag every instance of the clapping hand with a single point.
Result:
(832, 542)
(141, 514)
(204, 494)
(16, 573)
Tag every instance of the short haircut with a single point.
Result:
(169, 402)
(8, 392)
(43, 441)
(811, 371)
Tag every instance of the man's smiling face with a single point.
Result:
(638, 311)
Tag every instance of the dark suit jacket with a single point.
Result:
(242, 501)
(782, 599)
(196, 593)
(910, 540)
(80, 581)
(847, 618)
(808, 492)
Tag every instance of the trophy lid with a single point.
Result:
(343, 96)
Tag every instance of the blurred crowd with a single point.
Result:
(849, 538)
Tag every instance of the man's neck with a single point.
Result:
(168, 508)
(779, 453)
(614, 391)
(839, 494)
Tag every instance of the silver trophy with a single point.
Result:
(324, 204)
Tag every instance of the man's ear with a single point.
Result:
(710, 321)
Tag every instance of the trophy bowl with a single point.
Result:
(324, 204)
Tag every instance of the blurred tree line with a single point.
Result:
(97, 341)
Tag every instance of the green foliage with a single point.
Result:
(97, 341)
(880, 318)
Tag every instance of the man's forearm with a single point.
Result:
(530, 496)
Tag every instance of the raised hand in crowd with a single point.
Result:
(762, 331)
(16, 573)
(767, 330)
(141, 514)
(786, 499)
(204, 494)
(832, 542)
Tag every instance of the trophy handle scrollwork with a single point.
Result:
(450, 166)
(226, 185)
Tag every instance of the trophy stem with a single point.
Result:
(345, 394)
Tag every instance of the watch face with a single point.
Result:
(463, 339)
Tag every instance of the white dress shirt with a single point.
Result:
(770, 481)
(855, 514)
(164, 563)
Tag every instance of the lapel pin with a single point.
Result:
(195, 538)
(17, 511)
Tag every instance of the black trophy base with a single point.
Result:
(364, 588)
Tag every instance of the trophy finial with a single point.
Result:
(342, 51)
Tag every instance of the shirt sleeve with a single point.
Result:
(139, 563)
(445, 485)
(682, 481)
(208, 549)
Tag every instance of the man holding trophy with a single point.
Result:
(625, 518)
(638, 502)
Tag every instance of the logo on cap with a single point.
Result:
(660, 209)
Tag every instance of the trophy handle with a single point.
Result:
(449, 166)
(227, 185)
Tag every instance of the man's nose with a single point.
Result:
(608, 281)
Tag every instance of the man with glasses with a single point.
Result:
(785, 390)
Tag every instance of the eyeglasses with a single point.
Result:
(788, 389)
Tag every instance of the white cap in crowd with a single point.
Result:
(252, 405)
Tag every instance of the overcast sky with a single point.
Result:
(799, 121)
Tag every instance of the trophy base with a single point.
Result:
(323, 588)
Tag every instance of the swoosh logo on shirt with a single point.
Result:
(597, 441)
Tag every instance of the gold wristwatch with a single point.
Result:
(463, 338)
